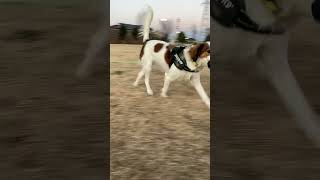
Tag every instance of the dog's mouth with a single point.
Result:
(315, 9)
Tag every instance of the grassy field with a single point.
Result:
(154, 137)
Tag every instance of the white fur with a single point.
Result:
(171, 74)
(270, 55)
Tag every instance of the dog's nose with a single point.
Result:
(315, 8)
(208, 64)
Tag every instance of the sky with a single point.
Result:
(189, 12)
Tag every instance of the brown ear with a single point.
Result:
(193, 52)
(170, 46)
(196, 51)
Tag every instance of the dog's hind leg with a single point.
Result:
(139, 77)
(275, 65)
(147, 81)
(147, 71)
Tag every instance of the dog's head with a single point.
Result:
(200, 53)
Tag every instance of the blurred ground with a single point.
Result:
(53, 126)
(254, 136)
(154, 137)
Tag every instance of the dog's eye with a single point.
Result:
(208, 51)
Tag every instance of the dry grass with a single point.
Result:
(154, 137)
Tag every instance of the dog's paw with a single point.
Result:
(164, 95)
(150, 92)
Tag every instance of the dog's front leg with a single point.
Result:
(274, 63)
(166, 84)
(169, 77)
(195, 81)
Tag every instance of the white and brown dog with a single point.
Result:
(196, 58)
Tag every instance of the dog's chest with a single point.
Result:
(179, 75)
(185, 76)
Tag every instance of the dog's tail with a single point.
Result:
(147, 23)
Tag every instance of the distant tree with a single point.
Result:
(165, 37)
(207, 38)
(181, 37)
(122, 32)
(135, 32)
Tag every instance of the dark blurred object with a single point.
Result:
(53, 126)
(263, 125)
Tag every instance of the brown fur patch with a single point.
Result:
(205, 51)
(142, 49)
(199, 50)
(168, 55)
(158, 47)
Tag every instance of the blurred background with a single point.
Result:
(189, 19)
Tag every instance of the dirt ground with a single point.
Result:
(53, 126)
(254, 136)
(154, 137)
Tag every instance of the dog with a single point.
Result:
(265, 31)
(197, 56)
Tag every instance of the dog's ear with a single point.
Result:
(197, 50)
(170, 47)
(194, 51)
(205, 50)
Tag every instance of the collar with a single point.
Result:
(179, 59)
(232, 13)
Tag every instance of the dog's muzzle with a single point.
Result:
(208, 64)
(315, 8)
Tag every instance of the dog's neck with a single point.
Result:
(190, 63)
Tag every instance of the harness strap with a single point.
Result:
(232, 13)
(179, 60)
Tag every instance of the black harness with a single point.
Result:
(232, 13)
(179, 59)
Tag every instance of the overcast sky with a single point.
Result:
(189, 11)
